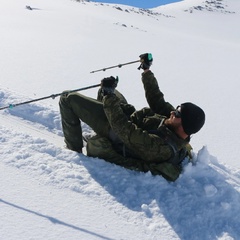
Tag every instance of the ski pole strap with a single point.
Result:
(53, 96)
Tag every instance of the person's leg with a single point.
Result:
(118, 94)
(101, 147)
(75, 107)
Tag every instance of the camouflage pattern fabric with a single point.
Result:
(136, 140)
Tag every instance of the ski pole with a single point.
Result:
(119, 65)
(51, 96)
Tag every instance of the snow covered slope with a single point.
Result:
(49, 192)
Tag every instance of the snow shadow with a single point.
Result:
(54, 220)
(202, 204)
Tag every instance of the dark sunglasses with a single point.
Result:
(177, 113)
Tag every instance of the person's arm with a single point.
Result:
(154, 96)
(148, 147)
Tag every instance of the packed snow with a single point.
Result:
(49, 192)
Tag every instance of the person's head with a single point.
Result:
(187, 119)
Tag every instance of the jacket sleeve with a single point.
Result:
(148, 147)
(154, 96)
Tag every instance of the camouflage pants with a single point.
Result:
(101, 147)
(75, 108)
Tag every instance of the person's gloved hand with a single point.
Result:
(108, 85)
(146, 60)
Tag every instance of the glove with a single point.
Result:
(108, 85)
(146, 61)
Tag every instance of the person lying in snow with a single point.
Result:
(154, 139)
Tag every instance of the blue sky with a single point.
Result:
(140, 3)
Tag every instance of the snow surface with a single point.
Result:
(49, 192)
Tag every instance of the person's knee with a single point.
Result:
(63, 97)
(67, 99)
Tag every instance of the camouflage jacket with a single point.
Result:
(154, 145)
